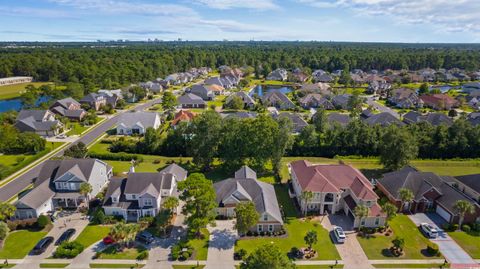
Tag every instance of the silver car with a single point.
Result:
(339, 235)
(429, 230)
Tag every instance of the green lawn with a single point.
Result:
(469, 242)
(53, 265)
(13, 91)
(296, 230)
(76, 128)
(10, 265)
(116, 265)
(92, 234)
(218, 101)
(376, 247)
(111, 253)
(19, 243)
(13, 163)
(410, 265)
(200, 246)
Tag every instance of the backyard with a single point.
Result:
(470, 242)
(19, 243)
(76, 128)
(376, 247)
(92, 234)
(13, 91)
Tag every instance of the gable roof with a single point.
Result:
(145, 119)
(245, 172)
(67, 102)
(249, 189)
(92, 97)
(383, 119)
(190, 98)
(176, 170)
(183, 115)
(275, 95)
(151, 183)
(332, 178)
(472, 181)
(338, 118)
(298, 122)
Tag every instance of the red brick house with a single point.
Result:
(439, 101)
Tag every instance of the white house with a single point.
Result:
(137, 122)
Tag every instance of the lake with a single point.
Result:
(260, 90)
(16, 104)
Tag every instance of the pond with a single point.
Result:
(16, 104)
(260, 90)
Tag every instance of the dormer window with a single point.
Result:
(114, 199)
(369, 203)
(265, 217)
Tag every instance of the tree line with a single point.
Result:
(110, 67)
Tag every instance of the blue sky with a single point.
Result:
(453, 21)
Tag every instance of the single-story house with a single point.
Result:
(137, 122)
(439, 101)
(277, 99)
(41, 122)
(246, 98)
(190, 100)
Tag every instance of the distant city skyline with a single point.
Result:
(409, 21)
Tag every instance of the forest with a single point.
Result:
(110, 65)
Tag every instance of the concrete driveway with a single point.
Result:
(351, 252)
(221, 245)
(449, 248)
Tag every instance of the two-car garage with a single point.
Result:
(443, 213)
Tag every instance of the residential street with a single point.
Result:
(381, 107)
(449, 248)
(20, 183)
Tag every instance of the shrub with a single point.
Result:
(432, 249)
(3, 230)
(143, 255)
(116, 156)
(185, 255)
(476, 227)
(43, 221)
(447, 227)
(242, 253)
(466, 228)
(175, 253)
(454, 227)
(68, 250)
(98, 216)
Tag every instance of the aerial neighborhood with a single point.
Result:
(322, 166)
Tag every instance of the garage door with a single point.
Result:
(443, 213)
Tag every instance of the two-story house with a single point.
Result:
(140, 194)
(245, 187)
(41, 122)
(335, 188)
(68, 107)
(58, 184)
(94, 100)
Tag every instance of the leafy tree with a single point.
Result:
(390, 210)
(29, 97)
(399, 242)
(306, 197)
(463, 207)
(424, 88)
(355, 105)
(398, 147)
(361, 212)
(162, 221)
(78, 151)
(4, 230)
(311, 238)
(138, 93)
(320, 121)
(199, 196)
(406, 196)
(7, 210)
(235, 103)
(267, 257)
(205, 138)
(169, 101)
(247, 216)
(43, 221)
(171, 203)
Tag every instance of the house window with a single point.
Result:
(260, 228)
(134, 196)
(114, 199)
(65, 185)
(369, 203)
(377, 221)
(265, 217)
(362, 223)
(147, 202)
(270, 228)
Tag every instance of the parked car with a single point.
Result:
(42, 245)
(145, 237)
(65, 236)
(429, 230)
(61, 136)
(107, 240)
(339, 235)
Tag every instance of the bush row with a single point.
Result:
(116, 156)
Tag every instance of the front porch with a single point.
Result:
(69, 200)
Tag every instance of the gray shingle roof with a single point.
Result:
(472, 181)
(260, 193)
(66, 102)
(383, 119)
(146, 119)
(176, 170)
(298, 122)
(191, 98)
(245, 172)
(338, 118)
(32, 120)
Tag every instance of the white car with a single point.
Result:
(429, 230)
(61, 136)
(339, 234)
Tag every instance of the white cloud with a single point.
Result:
(229, 4)
(443, 15)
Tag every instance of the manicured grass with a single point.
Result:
(92, 234)
(76, 128)
(10, 265)
(13, 91)
(296, 230)
(285, 202)
(218, 101)
(111, 253)
(19, 243)
(53, 265)
(318, 266)
(116, 265)
(200, 246)
(410, 265)
(377, 246)
(469, 242)
(174, 266)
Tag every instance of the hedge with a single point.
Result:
(116, 156)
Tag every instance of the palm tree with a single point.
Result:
(406, 195)
(463, 207)
(85, 190)
(390, 210)
(118, 232)
(170, 204)
(307, 196)
(361, 212)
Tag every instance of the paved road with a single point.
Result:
(448, 247)
(20, 183)
(381, 107)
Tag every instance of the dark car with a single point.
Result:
(65, 236)
(145, 237)
(42, 245)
